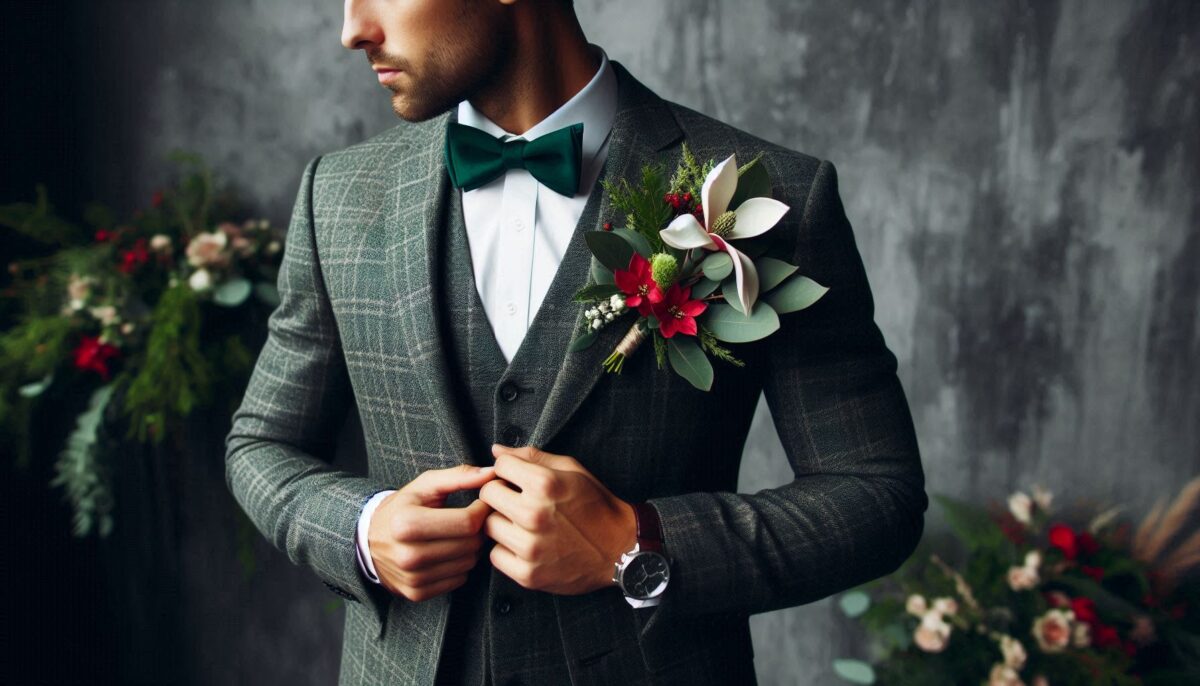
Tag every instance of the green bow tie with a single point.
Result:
(474, 157)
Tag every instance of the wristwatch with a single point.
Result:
(643, 572)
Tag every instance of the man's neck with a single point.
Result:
(548, 67)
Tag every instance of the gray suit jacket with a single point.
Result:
(357, 322)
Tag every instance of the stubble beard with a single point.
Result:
(452, 73)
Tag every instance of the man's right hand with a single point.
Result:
(421, 549)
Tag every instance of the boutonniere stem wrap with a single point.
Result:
(675, 264)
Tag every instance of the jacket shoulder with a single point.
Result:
(394, 144)
(710, 137)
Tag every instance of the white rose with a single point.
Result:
(1022, 578)
(208, 250)
(1014, 652)
(200, 280)
(933, 634)
(1021, 507)
(1053, 630)
(945, 605)
(1003, 675)
(160, 242)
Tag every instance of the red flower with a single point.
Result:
(677, 312)
(1105, 635)
(92, 355)
(638, 285)
(157, 199)
(1096, 573)
(1084, 609)
(103, 235)
(134, 257)
(1088, 544)
(1063, 538)
(1129, 647)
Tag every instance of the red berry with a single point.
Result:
(608, 226)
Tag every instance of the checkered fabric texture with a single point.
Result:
(360, 321)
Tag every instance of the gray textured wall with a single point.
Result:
(1021, 177)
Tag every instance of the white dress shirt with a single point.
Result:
(519, 229)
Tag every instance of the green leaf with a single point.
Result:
(854, 671)
(729, 290)
(703, 287)
(717, 266)
(796, 293)
(854, 603)
(636, 240)
(233, 292)
(583, 341)
(599, 273)
(730, 325)
(595, 291)
(651, 321)
(267, 293)
(753, 181)
(772, 272)
(970, 523)
(610, 249)
(36, 388)
(690, 361)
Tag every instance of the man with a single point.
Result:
(440, 302)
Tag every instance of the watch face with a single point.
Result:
(646, 575)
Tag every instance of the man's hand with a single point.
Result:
(563, 530)
(420, 549)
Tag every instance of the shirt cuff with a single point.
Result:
(362, 545)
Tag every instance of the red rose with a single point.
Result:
(1105, 635)
(92, 355)
(1063, 538)
(134, 257)
(1096, 573)
(1088, 544)
(1084, 609)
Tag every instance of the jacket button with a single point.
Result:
(503, 606)
(508, 391)
(512, 436)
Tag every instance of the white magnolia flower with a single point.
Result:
(1021, 506)
(200, 280)
(753, 217)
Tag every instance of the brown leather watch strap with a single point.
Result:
(649, 528)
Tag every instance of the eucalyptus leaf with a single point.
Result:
(599, 273)
(583, 341)
(729, 290)
(717, 266)
(635, 239)
(36, 388)
(772, 272)
(233, 292)
(267, 293)
(703, 288)
(689, 361)
(610, 249)
(651, 321)
(595, 291)
(730, 325)
(854, 671)
(796, 293)
(854, 603)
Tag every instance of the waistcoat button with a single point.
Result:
(503, 605)
(512, 436)
(508, 391)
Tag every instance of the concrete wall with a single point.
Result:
(1021, 177)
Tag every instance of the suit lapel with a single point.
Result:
(644, 126)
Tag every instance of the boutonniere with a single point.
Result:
(676, 264)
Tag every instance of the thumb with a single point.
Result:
(436, 484)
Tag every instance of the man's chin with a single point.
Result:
(416, 112)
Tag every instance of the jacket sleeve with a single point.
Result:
(855, 509)
(284, 432)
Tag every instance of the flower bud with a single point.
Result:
(664, 268)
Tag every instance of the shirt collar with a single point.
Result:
(595, 105)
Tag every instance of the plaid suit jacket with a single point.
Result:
(358, 322)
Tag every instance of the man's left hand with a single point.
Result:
(563, 530)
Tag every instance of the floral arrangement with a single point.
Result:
(1041, 602)
(152, 312)
(676, 265)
